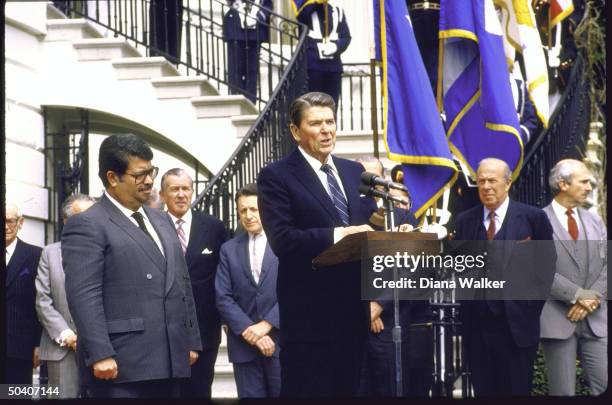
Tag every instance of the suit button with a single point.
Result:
(149, 276)
(184, 299)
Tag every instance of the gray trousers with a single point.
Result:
(560, 360)
(65, 374)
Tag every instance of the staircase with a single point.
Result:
(185, 110)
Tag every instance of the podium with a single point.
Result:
(348, 249)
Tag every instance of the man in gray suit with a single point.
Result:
(59, 339)
(575, 318)
(127, 283)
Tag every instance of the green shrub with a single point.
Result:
(540, 382)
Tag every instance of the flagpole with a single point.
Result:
(325, 22)
(434, 206)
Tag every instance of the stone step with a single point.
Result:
(222, 106)
(183, 87)
(143, 68)
(53, 13)
(104, 49)
(64, 29)
(243, 123)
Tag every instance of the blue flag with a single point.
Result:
(481, 120)
(299, 6)
(414, 134)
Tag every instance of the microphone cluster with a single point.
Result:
(369, 181)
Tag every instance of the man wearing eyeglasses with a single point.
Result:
(127, 283)
(22, 327)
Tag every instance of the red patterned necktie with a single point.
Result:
(491, 228)
(572, 226)
(181, 235)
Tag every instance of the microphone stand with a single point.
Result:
(397, 328)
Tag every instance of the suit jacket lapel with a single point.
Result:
(508, 232)
(166, 237)
(195, 232)
(563, 237)
(305, 175)
(350, 188)
(14, 265)
(244, 257)
(266, 263)
(145, 243)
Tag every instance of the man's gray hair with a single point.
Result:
(177, 171)
(9, 203)
(507, 171)
(563, 171)
(68, 202)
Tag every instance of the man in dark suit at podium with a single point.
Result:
(308, 201)
(502, 336)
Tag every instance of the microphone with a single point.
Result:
(373, 180)
(371, 191)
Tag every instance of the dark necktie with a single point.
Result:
(336, 194)
(572, 226)
(491, 228)
(138, 217)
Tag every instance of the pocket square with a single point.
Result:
(524, 240)
(206, 251)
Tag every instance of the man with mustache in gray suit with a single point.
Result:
(127, 283)
(59, 339)
(575, 318)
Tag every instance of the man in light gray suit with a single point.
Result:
(127, 284)
(59, 339)
(575, 318)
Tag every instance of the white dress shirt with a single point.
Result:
(128, 213)
(560, 213)
(500, 215)
(187, 218)
(316, 166)
(9, 250)
(257, 248)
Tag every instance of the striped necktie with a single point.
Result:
(181, 235)
(336, 195)
(491, 229)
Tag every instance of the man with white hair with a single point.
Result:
(575, 318)
(22, 327)
(502, 336)
(59, 338)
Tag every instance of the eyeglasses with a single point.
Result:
(11, 222)
(140, 177)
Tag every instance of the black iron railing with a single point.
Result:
(190, 34)
(564, 138)
(267, 140)
(356, 101)
(67, 149)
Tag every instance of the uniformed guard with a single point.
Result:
(425, 17)
(328, 37)
(245, 26)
